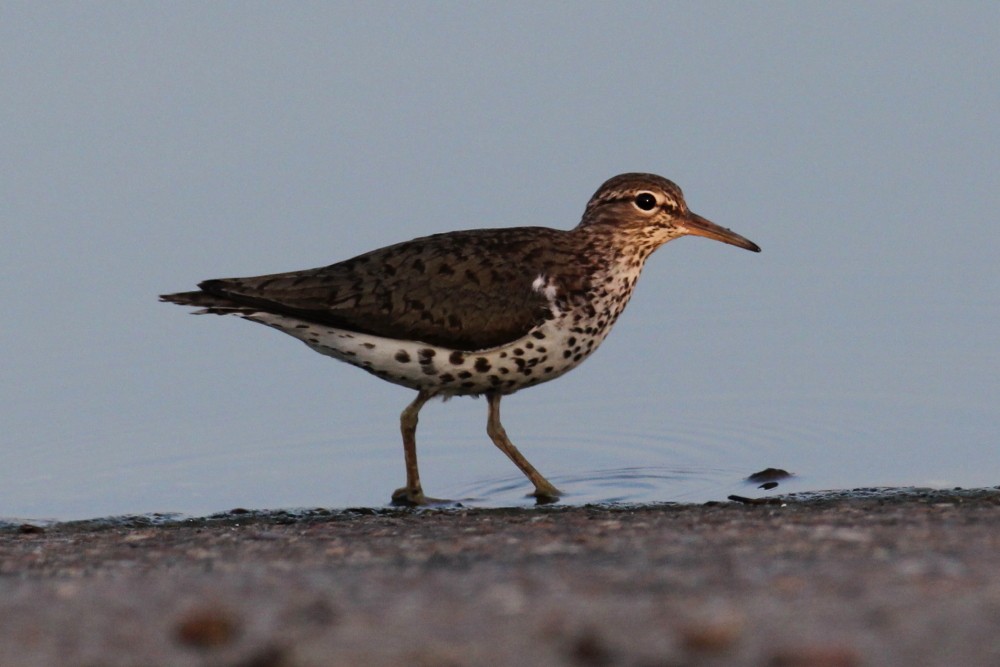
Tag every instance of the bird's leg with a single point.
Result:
(545, 492)
(411, 494)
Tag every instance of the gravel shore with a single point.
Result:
(867, 577)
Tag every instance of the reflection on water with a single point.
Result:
(633, 485)
(624, 448)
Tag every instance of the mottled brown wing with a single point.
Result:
(463, 290)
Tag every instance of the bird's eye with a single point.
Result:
(645, 201)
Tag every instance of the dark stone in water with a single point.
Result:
(769, 475)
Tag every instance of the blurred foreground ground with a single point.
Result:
(869, 577)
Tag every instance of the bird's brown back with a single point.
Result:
(466, 290)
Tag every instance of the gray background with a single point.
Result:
(144, 147)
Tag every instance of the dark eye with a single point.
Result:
(646, 201)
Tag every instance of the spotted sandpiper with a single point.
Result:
(469, 313)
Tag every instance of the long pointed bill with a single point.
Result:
(699, 226)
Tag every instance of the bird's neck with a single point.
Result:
(610, 249)
(611, 259)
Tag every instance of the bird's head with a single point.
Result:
(651, 210)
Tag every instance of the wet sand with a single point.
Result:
(868, 577)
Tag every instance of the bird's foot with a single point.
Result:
(406, 497)
(546, 494)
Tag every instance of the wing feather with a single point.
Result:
(463, 290)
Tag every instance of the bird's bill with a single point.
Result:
(699, 226)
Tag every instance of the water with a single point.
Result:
(144, 152)
(688, 397)
(597, 449)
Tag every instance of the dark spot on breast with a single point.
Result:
(567, 354)
(518, 352)
(446, 377)
(402, 357)
(456, 358)
(465, 375)
(571, 341)
(468, 385)
(482, 364)
(426, 354)
(529, 344)
(494, 380)
(503, 371)
(368, 346)
(537, 334)
(549, 369)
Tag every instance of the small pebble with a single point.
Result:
(816, 656)
(712, 635)
(207, 628)
(590, 649)
(769, 475)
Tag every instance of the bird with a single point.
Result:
(481, 312)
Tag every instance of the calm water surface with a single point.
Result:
(690, 394)
(637, 437)
(858, 149)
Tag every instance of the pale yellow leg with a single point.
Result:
(412, 493)
(544, 490)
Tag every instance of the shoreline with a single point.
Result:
(867, 576)
(245, 516)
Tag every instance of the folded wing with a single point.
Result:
(457, 290)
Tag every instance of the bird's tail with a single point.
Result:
(208, 303)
